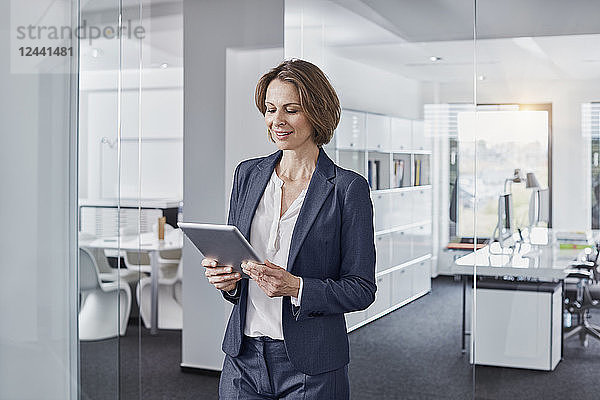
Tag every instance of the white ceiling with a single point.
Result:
(349, 30)
(517, 39)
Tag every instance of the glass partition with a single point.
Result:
(130, 191)
(404, 78)
(535, 135)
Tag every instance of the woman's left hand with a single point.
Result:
(272, 279)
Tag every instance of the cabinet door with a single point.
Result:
(401, 137)
(351, 131)
(420, 141)
(383, 249)
(401, 205)
(401, 285)
(421, 277)
(382, 296)
(401, 248)
(378, 132)
(422, 205)
(381, 206)
(353, 160)
(355, 318)
(421, 240)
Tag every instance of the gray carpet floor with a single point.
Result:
(412, 353)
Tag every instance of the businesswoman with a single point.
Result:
(313, 223)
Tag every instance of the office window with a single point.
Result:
(500, 138)
(590, 127)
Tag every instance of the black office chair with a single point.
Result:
(582, 294)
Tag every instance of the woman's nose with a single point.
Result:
(279, 120)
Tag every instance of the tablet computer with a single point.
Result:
(224, 243)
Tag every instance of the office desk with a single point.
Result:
(538, 262)
(145, 242)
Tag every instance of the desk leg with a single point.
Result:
(154, 293)
(464, 311)
(562, 323)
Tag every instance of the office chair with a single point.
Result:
(582, 293)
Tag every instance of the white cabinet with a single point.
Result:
(420, 141)
(518, 324)
(401, 248)
(352, 159)
(422, 205)
(382, 296)
(382, 210)
(355, 318)
(421, 240)
(401, 208)
(395, 157)
(383, 249)
(421, 277)
(401, 136)
(401, 285)
(378, 132)
(351, 131)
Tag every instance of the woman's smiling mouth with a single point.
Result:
(282, 133)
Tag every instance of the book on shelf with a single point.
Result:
(417, 172)
(373, 174)
(398, 172)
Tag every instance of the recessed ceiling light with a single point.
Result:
(164, 66)
(435, 59)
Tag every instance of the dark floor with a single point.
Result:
(412, 353)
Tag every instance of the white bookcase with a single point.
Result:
(394, 155)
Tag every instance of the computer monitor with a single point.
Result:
(539, 207)
(505, 227)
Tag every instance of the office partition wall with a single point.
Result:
(38, 164)
(536, 83)
(390, 62)
(130, 176)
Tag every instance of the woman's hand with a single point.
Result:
(220, 276)
(272, 279)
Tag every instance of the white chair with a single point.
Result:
(105, 307)
(108, 273)
(170, 311)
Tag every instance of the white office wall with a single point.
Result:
(38, 284)
(249, 24)
(571, 152)
(245, 129)
(159, 170)
(366, 88)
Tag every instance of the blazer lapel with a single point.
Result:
(318, 190)
(256, 187)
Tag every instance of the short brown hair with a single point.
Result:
(317, 96)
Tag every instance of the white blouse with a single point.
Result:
(271, 237)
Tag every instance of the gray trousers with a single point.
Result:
(263, 371)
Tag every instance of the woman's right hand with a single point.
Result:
(220, 276)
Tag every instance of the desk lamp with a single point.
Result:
(532, 181)
(517, 178)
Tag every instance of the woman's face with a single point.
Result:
(288, 124)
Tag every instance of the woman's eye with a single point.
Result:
(292, 111)
(271, 111)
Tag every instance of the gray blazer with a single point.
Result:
(332, 249)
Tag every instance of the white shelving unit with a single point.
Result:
(394, 155)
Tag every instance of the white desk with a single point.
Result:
(145, 242)
(542, 261)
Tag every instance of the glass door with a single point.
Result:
(534, 308)
(403, 77)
